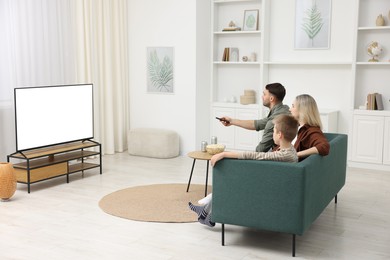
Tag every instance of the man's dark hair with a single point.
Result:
(277, 90)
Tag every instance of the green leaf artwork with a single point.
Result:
(312, 23)
(250, 21)
(160, 73)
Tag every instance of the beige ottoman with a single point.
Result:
(153, 142)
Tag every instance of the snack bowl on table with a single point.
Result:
(215, 148)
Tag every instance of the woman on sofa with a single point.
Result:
(310, 138)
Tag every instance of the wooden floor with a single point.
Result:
(63, 221)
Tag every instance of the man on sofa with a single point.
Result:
(273, 96)
(284, 131)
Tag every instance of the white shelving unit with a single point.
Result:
(231, 78)
(372, 77)
(370, 131)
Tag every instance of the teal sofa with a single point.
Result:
(278, 196)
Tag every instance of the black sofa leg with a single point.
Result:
(223, 239)
(335, 199)
(293, 245)
(223, 234)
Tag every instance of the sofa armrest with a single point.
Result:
(260, 194)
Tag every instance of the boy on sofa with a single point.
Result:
(285, 130)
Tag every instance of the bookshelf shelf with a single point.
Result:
(308, 63)
(238, 33)
(372, 28)
(236, 63)
(373, 63)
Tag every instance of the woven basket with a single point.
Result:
(7, 181)
(246, 100)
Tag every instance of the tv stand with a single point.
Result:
(37, 165)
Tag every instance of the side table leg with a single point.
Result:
(28, 177)
(192, 170)
(207, 177)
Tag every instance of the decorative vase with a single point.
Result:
(7, 181)
(380, 21)
(253, 56)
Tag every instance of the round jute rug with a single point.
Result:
(154, 203)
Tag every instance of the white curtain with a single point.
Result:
(102, 58)
(36, 44)
(55, 42)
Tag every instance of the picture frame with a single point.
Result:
(160, 70)
(251, 20)
(312, 24)
(233, 54)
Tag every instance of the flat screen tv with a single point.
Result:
(51, 115)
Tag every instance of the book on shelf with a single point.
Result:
(231, 29)
(230, 54)
(374, 101)
(225, 56)
(379, 102)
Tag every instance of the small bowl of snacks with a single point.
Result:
(215, 148)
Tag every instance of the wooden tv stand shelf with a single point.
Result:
(37, 165)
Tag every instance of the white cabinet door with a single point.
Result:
(329, 120)
(233, 137)
(224, 134)
(386, 142)
(246, 139)
(367, 139)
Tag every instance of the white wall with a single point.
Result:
(165, 23)
(330, 85)
(7, 130)
(282, 33)
(203, 72)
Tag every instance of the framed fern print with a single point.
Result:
(312, 24)
(160, 70)
(251, 18)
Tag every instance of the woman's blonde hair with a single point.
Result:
(308, 110)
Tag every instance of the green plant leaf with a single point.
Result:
(312, 23)
(160, 73)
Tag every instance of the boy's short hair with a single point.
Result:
(288, 125)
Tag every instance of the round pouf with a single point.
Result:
(153, 142)
(7, 181)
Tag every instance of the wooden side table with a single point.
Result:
(199, 155)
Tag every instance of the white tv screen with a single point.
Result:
(53, 115)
